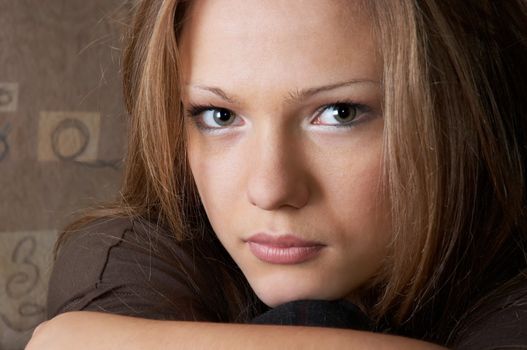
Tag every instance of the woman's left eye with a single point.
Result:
(338, 114)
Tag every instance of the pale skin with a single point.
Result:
(298, 151)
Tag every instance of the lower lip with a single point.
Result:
(284, 255)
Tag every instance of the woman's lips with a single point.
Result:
(285, 250)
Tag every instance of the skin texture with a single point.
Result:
(283, 164)
(95, 330)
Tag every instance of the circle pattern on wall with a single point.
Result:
(70, 139)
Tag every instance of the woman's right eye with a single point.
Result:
(210, 117)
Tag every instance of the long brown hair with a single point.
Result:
(454, 153)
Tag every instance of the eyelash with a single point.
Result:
(195, 110)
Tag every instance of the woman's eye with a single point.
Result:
(210, 117)
(338, 114)
(219, 117)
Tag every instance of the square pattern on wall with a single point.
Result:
(25, 266)
(8, 97)
(68, 136)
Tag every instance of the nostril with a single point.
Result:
(270, 193)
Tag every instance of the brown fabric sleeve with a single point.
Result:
(128, 268)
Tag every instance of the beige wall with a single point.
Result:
(61, 137)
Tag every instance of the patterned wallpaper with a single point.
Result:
(62, 137)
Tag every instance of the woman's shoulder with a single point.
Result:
(126, 266)
(81, 260)
(500, 321)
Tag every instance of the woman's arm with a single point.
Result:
(92, 330)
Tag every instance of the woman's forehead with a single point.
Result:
(277, 43)
(272, 15)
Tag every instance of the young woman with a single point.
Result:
(348, 164)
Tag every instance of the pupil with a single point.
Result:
(344, 112)
(222, 116)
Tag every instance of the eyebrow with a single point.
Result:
(294, 95)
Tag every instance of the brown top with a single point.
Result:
(120, 266)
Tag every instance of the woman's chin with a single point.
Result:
(276, 300)
(274, 294)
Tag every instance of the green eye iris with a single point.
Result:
(344, 112)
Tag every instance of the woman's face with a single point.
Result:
(285, 140)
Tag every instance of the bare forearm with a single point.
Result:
(89, 330)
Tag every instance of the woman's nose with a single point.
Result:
(278, 175)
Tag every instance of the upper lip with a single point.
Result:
(284, 241)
